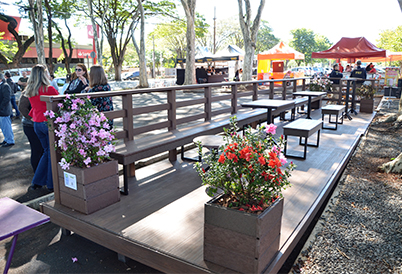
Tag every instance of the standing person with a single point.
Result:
(5, 112)
(98, 83)
(38, 84)
(335, 73)
(53, 82)
(14, 89)
(28, 126)
(340, 68)
(79, 80)
(359, 72)
(369, 67)
(23, 81)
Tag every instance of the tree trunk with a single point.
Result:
(38, 30)
(67, 57)
(250, 31)
(95, 30)
(50, 34)
(189, 74)
(141, 51)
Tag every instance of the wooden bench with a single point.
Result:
(130, 151)
(333, 110)
(302, 128)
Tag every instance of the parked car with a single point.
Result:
(131, 75)
(62, 84)
(17, 73)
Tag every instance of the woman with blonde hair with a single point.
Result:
(39, 84)
(98, 83)
(79, 80)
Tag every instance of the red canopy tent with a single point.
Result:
(351, 49)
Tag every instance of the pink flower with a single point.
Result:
(271, 129)
(87, 160)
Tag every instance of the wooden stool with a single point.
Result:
(302, 128)
(333, 110)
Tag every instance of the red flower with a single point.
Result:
(221, 159)
(232, 156)
(241, 209)
(203, 170)
(261, 160)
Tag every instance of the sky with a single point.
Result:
(334, 19)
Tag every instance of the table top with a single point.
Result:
(309, 93)
(16, 218)
(268, 103)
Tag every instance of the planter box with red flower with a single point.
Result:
(242, 227)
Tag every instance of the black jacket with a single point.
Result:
(359, 72)
(80, 87)
(13, 86)
(5, 99)
(335, 74)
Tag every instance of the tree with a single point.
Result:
(265, 39)
(98, 44)
(189, 10)
(303, 41)
(395, 165)
(50, 34)
(36, 17)
(249, 30)
(322, 43)
(143, 80)
(22, 47)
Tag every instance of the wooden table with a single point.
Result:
(16, 218)
(270, 104)
(309, 94)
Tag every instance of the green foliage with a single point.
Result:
(251, 167)
(8, 48)
(366, 91)
(170, 38)
(60, 72)
(391, 40)
(265, 38)
(306, 42)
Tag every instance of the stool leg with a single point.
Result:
(305, 149)
(10, 255)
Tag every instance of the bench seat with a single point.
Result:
(130, 151)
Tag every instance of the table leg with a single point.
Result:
(10, 255)
(269, 116)
(309, 108)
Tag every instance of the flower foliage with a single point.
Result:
(366, 91)
(250, 168)
(84, 135)
(320, 84)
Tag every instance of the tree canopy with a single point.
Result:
(306, 42)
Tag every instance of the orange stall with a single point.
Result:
(276, 55)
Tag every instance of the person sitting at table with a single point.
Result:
(348, 68)
(359, 72)
(335, 73)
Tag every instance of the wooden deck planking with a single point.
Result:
(164, 212)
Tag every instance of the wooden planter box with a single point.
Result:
(244, 242)
(91, 189)
(367, 105)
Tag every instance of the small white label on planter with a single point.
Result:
(70, 180)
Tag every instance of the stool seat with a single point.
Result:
(210, 141)
(333, 110)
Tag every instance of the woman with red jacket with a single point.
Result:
(39, 84)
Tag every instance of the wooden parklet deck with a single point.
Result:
(160, 223)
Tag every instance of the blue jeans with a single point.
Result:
(5, 125)
(43, 174)
(14, 104)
